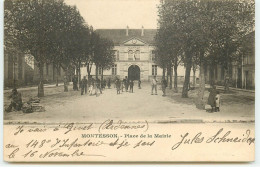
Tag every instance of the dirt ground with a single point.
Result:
(141, 105)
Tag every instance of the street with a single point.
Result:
(140, 105)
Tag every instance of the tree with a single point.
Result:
(168, 53)
(71, 41)
(108, 56)
(44, 29)
(207, 30)
(89, 62)
(177, 16)
(103, 54)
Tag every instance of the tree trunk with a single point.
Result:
(212, 76)
(79, 72)
(53, 72)
(200, 101)
(14, 82)
(89, 66)
(57, 75)
(167, 76)
(194, 77)
(200, 104)
(40, 86)
(96, 72)
(175, 79)
(66, 80)
(102, 76)
(164, 73)
(170, 77)
(185, 88)
(79, 77)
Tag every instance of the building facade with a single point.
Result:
(242, 71)
(17, 70)
(51, 73)
(134, 53)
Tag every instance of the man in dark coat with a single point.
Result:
(118, 85)
(212, 98)
(109, 83)
(131, 84)
(16, 101)
(127, 83)
(84, 85)
(75, 83)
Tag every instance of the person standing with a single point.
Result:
(75, 83)
(212, 98)
(139, 84)
(131, 83)
(127, 83)
(83, 85)
(118, 85)
(164, 85)
(91, 85)
(109, 83)
(154, 85)
(218, 102)
(124, 83)
(122, 86)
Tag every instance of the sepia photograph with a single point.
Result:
(129, 81)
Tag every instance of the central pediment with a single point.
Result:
(134, 41)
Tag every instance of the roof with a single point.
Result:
(118, 36)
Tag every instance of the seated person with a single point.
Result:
(16, 101)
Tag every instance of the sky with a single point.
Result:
(117, 14)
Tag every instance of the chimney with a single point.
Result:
(142, 34)
(127, 30)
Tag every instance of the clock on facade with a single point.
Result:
(134, 41)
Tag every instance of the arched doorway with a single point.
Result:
(133, 72)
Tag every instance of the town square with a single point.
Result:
(129, 80)
(78, 73)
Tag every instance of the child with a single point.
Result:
(217, 102)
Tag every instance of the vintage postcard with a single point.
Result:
(129, 80)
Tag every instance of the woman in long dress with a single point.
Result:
(212, 98)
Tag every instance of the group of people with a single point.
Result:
(90, 86)
(93, 86)
(154, 84)
(129, 83)
(125, 84)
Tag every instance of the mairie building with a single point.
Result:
(134, 53)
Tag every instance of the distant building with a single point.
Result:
(242, 71)
(134, 53)
(51, 74)
(246, 69)
(17, 71)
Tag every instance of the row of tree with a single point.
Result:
(197, 33)
(54, 32)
